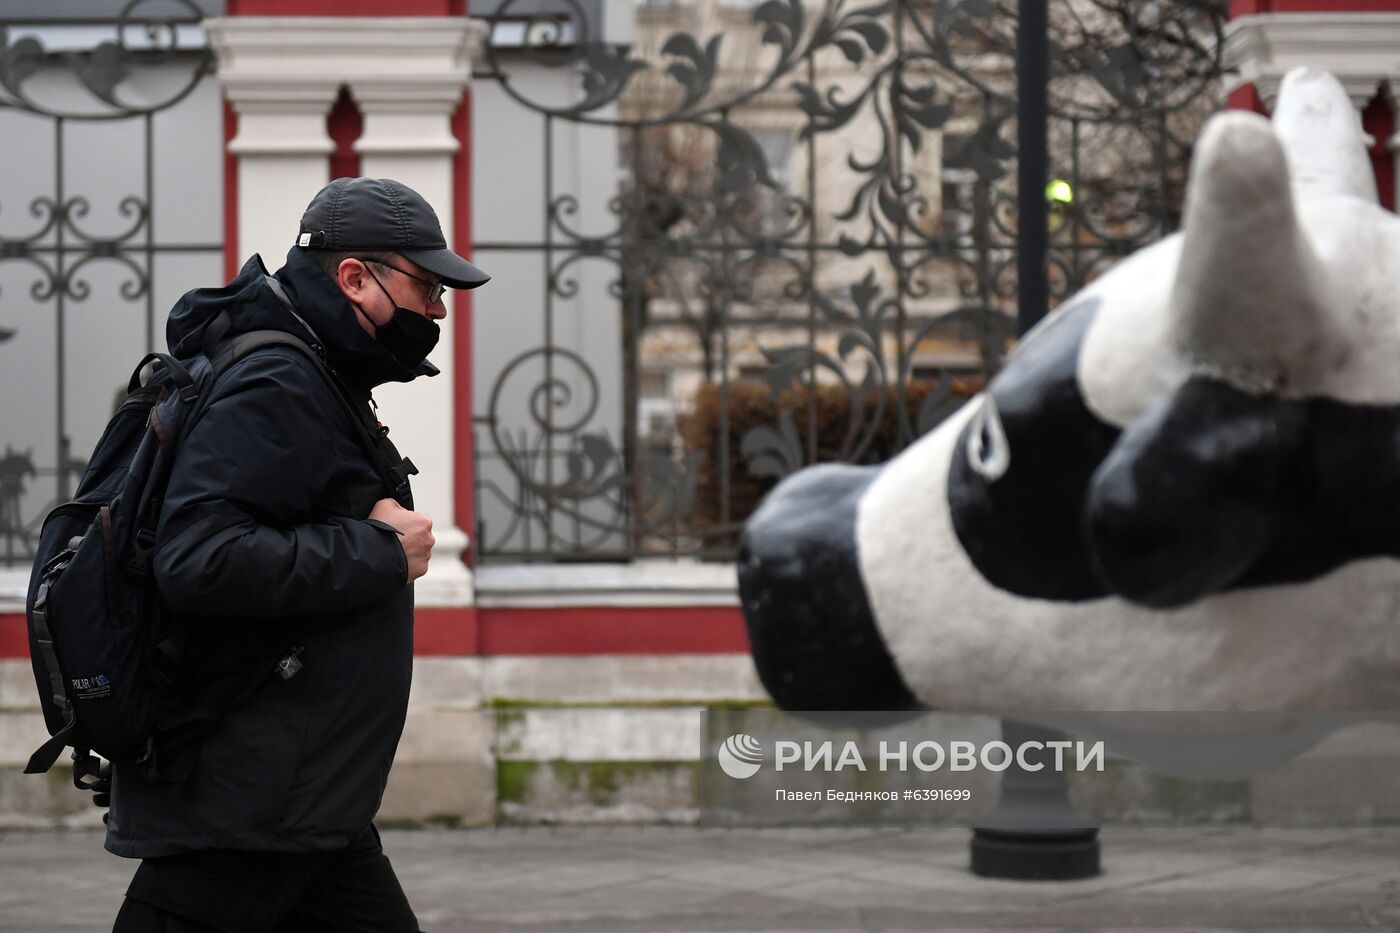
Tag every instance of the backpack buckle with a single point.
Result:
(57, 564)
(401, 473)
(140, 562)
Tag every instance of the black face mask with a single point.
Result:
(408, 335)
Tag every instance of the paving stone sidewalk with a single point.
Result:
(653, 879)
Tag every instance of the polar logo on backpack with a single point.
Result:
(91, 688)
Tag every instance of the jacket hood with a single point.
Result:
(317, 304)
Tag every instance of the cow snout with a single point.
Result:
(811, 630)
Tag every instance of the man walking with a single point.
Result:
(291, 563)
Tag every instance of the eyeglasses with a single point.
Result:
(435, 289)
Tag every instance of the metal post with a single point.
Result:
(1033, 161)
(1033, 833)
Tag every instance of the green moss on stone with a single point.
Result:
(1196, 800)
(871, 779)
(603, 782)
(513, 780)
(509, 716)
(569, 774)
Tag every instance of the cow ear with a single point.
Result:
(1248, 303)
(1321, 132)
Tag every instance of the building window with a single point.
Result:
(656, 408)
(956, 191)
(777, 146)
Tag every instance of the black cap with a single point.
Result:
(383, 214)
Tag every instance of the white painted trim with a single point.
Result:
(1359, 48)
(449, 581)
(398, 128)
(642, 583)
(277, 66)
(440, 588)
(362, 47)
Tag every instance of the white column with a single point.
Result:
(282, 145)
(408, 75)
(408, 137)
(283, 160)
(1358, 48)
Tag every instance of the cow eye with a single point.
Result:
(988, 453)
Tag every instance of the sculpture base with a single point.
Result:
(1031, 856)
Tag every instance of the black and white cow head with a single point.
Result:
(1182, 492)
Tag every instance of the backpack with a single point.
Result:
(104, 646)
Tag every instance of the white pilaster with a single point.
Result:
(408, 136)
(1359, 48)
(282, 145)
(407, 74)
(282, 154)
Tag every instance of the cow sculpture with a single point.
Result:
(1182, 491)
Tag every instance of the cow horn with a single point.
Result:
(1248, 303)
(1322, 135)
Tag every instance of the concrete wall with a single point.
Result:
(500, 740)
(488, 740)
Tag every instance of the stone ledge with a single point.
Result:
(611, 679)
(599, 734)
(641, 583)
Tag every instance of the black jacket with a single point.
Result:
(263, 546)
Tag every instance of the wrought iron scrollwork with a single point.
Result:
(910, 103)
(60, 239)
(104, 68)
(16, 468)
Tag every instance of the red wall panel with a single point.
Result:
(562, 631)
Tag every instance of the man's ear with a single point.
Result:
(351, 277)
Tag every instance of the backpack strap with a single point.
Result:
(45, 756)
(393, 474)
(393, 469)
(184, 382)
(215, 332)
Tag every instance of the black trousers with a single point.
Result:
(351, 890)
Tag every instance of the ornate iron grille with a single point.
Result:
(818, 208)
(105, 74)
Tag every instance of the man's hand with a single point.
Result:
(415, 534)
